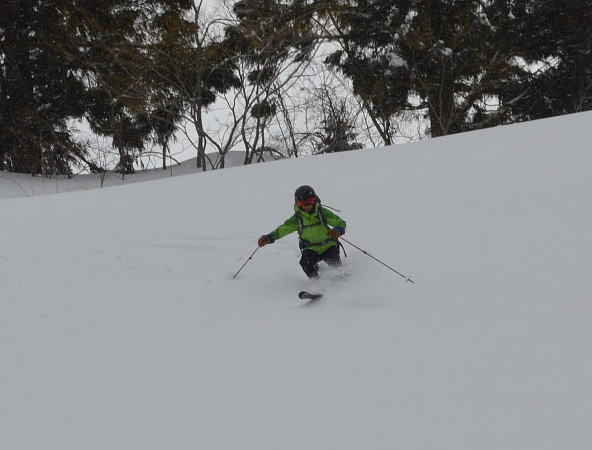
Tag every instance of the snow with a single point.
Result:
(121, 327)
(396, 61)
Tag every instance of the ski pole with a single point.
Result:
(377, 260)
(250, 257)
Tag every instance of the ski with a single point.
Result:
(305, 295)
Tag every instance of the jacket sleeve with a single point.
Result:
(334, 220)
(289, 226)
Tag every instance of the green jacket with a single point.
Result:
(312, 228)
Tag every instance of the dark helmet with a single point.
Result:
(304, 193)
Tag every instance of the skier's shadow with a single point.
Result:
(311, 302)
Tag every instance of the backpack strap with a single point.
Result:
(301, 225)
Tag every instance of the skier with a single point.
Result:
(318, 242)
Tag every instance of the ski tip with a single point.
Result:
(305, 295)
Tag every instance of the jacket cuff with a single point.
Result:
(270, 238)
(340, 230)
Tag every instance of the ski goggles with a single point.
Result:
(306, 202)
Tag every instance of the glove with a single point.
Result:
(335, 232)
(263, 240)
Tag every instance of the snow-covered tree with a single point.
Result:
(441, 55)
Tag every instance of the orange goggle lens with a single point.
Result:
(306, 201)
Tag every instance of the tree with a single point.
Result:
(189, 67)
(127, 103)
(39, 89)
(67, 59)
(560, 52)
(331, 120)
(440, 55)
(275, 42)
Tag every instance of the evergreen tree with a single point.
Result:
(39, 89)
(557, 44)
(444, 53)
(126, 46)
(67, 59)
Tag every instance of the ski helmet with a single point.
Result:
(304, 193)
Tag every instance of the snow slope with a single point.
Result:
(121, 327)
(14, 185)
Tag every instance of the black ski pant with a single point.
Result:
(310, 260)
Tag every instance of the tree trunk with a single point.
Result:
(442, 108)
